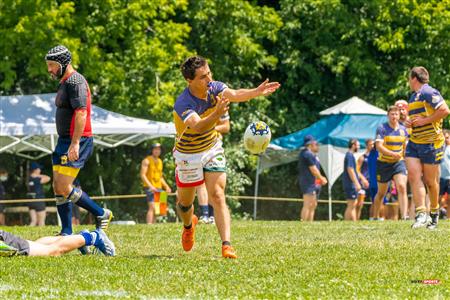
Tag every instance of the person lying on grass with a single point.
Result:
(11, 245)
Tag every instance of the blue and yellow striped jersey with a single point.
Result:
(189, 141)
(394, 139)
(424, 103)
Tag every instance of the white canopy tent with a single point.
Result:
(27, 126)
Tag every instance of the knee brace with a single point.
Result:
(184, 208)
(75, 195)
(60, 200)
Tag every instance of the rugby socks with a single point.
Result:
(90, 238)
(88, 204)
(65, 214)
(211, 210)
(205, 210)
(188, 227)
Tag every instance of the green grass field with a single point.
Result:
(276, 260)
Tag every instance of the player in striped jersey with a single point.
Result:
(390, 143)
(425, 148)
(198, 152)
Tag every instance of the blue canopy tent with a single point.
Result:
(353, 118)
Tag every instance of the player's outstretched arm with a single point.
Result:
(242, 95)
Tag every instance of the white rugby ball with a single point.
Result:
(257, 137)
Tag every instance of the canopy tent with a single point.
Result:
(27, 126)
(353, 118)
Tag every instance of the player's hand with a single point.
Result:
(408, 123)
(419, 121)
(222, 105)
(396, 155)
(266, 88)
(358, 187)
(323, 180)
(168, 189)
(73, 152)
(154, 190)
(365, 183)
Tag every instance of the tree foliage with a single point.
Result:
(322, 51)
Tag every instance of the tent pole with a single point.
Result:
(255, 200)
(100, 179)
(330, 185)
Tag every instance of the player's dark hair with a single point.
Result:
(352, 142)
(190, 65)
(393, 108)
(420, 73)
(368, 141)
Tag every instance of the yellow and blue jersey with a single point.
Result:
(154, 172)
(186, 105)
(424, 103)
(394, 139)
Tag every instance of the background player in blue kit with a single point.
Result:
(309, 177)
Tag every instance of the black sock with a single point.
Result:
(188, 227)
(226, 243)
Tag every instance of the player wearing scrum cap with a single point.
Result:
(75, 142)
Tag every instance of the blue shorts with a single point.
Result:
(386, 171)
(310, 189)
(444, 186)
(427, 153)
(60, 155)
(350, 193)
(150, 196)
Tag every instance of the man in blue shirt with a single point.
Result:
(351, 181)
(309, 177)
(444, 184)
(36, 191)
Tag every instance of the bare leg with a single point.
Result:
(63, 245)
(47, 240)
(2, 219)
(215, 185)
(185, 197)
(401, 183)
(151, 213)
(382, 189)
(431, 177)
(33, 217)
(308, 207)
(202, 195)
(359, 205)
(41, 215)
(415, 180)
(350, 211)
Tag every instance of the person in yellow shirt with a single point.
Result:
(152, 179)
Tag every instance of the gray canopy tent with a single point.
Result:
(27, 127)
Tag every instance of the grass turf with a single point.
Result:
(276, 260)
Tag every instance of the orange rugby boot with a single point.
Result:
(188, 236)
(228, 252)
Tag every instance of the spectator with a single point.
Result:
(152, 179)
(35, 189)
(310, 179)
(373, 185)
(351, 181)
(3, 179)
(363, 169)
(445, 177)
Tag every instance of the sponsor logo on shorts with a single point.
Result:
(64, 159)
